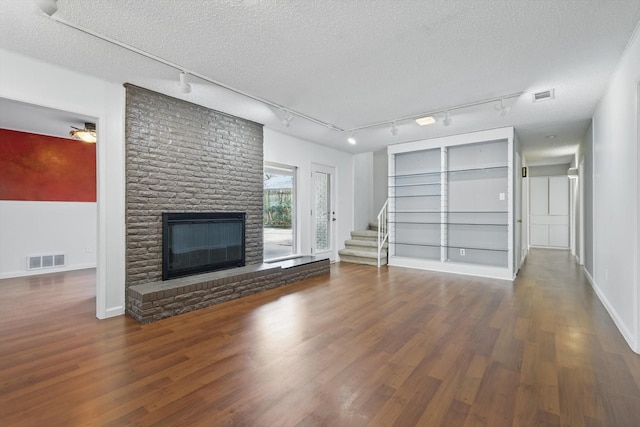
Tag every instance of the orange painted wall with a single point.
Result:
(45, 168)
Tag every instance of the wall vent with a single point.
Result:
(544, 95)
(36, 262)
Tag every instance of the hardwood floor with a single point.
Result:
(388, 347)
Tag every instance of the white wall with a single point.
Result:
(550, 170)
(586, 158)
(289, 150)
(577, 207)
(363, 191)
(380, 179)
(524, 213)
(615, 204)
(28, 80)
(46, 228)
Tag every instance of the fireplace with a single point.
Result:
(200, 242)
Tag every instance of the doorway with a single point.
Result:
(279, 204)
(48, 206)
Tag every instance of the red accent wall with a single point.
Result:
(45, 168)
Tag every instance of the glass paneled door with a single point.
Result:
(323, 215)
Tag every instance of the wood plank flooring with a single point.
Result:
(388, 347)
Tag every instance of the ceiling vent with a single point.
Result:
(544, 95)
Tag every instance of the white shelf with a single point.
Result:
(452, 205)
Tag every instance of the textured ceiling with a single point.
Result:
(351, 63)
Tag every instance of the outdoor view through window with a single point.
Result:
(279, 208)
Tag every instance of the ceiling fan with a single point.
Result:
(88, 134)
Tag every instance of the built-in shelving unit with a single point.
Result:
(450, 204)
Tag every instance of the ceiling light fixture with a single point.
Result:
(447, 120)
(88, 134)
(184, 85)
(352, 139)
(502, 109)
(550, 136)
(394, 129)
(427, 120)
(286, 121)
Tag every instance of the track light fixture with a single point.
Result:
(352, 138)
(49, 7)
(184, 85)
(286, 121)
(446, 121)
(394, 129)
(502, 109)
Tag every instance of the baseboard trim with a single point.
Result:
(453, 268)
(113, 312)
(626, 334)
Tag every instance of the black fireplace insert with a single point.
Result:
(200, 242)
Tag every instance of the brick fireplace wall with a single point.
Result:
(181, 157)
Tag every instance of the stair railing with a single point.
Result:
(383, 231)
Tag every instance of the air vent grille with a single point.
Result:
(36, 262)
(544, 95)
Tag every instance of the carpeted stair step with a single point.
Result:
(365, 235)
(373, 226)
(362, 244)
(365, 261)
(362, 257)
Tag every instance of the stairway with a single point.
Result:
(363, 248)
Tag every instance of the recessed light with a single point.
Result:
(424, 121)
(550, 136)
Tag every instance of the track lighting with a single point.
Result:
(447, 120)
(502, 109)
(394, 129)
(286, 121)
(352, 139)
(184, 85)
(49, 8)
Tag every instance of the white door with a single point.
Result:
(323, 214)
(549, 211)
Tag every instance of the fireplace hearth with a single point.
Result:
(201, 242)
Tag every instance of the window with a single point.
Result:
(279, 211)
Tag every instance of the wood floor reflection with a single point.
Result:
(362, 347)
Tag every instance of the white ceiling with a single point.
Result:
(351, 63)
